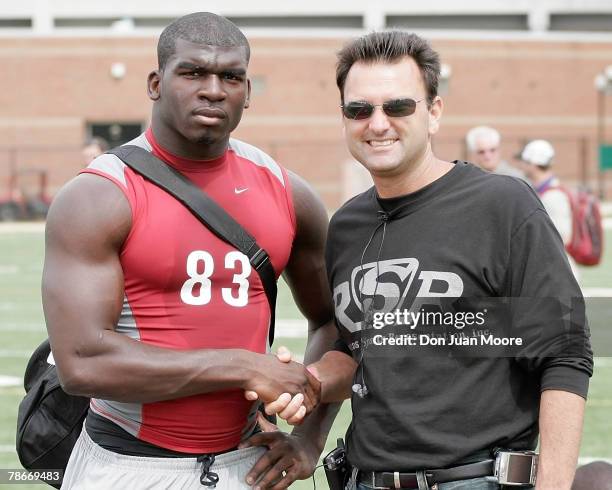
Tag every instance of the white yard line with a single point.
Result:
(293, 329)
(10, 269)
(603, 362)
(597, 292)
(16, 353)
(22, 327)
(10, 381)
(8, 306)
(26, 227)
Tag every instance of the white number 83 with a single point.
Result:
(239, 299)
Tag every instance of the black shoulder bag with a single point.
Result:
(49, 420)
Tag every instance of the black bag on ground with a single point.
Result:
(49, 420)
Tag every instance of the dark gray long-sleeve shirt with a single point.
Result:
(487, 240)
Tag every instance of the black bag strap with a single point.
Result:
(207, 211)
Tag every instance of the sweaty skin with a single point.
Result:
(82, 279)
(198, 100)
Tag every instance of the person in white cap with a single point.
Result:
(484, 145)
(537, 157)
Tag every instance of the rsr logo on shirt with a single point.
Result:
(197, 290)
(391, 280)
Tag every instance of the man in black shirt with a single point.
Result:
(462, 327)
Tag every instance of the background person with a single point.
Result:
(94, 147)
(159, 322)
(537, 158)
(484, 145)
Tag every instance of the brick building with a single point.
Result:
(65, 82)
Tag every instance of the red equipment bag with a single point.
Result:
(586, 244)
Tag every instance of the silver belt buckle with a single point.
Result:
(373, 483)
(516, 469)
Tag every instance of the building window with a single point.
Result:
(115, 133)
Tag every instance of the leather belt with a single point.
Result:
(389, 479)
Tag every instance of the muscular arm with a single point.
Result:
(82, 299)
(307, 278)
(561, 415)
(298, 453)
(305, 272)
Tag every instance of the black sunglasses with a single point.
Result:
(392, 108)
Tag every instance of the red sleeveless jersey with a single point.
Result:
(187, 289)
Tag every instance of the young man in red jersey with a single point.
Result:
(162, 324)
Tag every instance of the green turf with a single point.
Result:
(21, 329)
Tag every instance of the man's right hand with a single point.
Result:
(334, 371)
(277, 377)
(287, 407)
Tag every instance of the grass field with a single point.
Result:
(22, 328)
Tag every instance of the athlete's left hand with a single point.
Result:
(289, 458)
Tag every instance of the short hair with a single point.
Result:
(390, 46)
(200, 28)
(482, 132)
(99, 142)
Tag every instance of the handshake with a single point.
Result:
(287, 388)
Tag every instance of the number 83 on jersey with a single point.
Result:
(197, 288)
